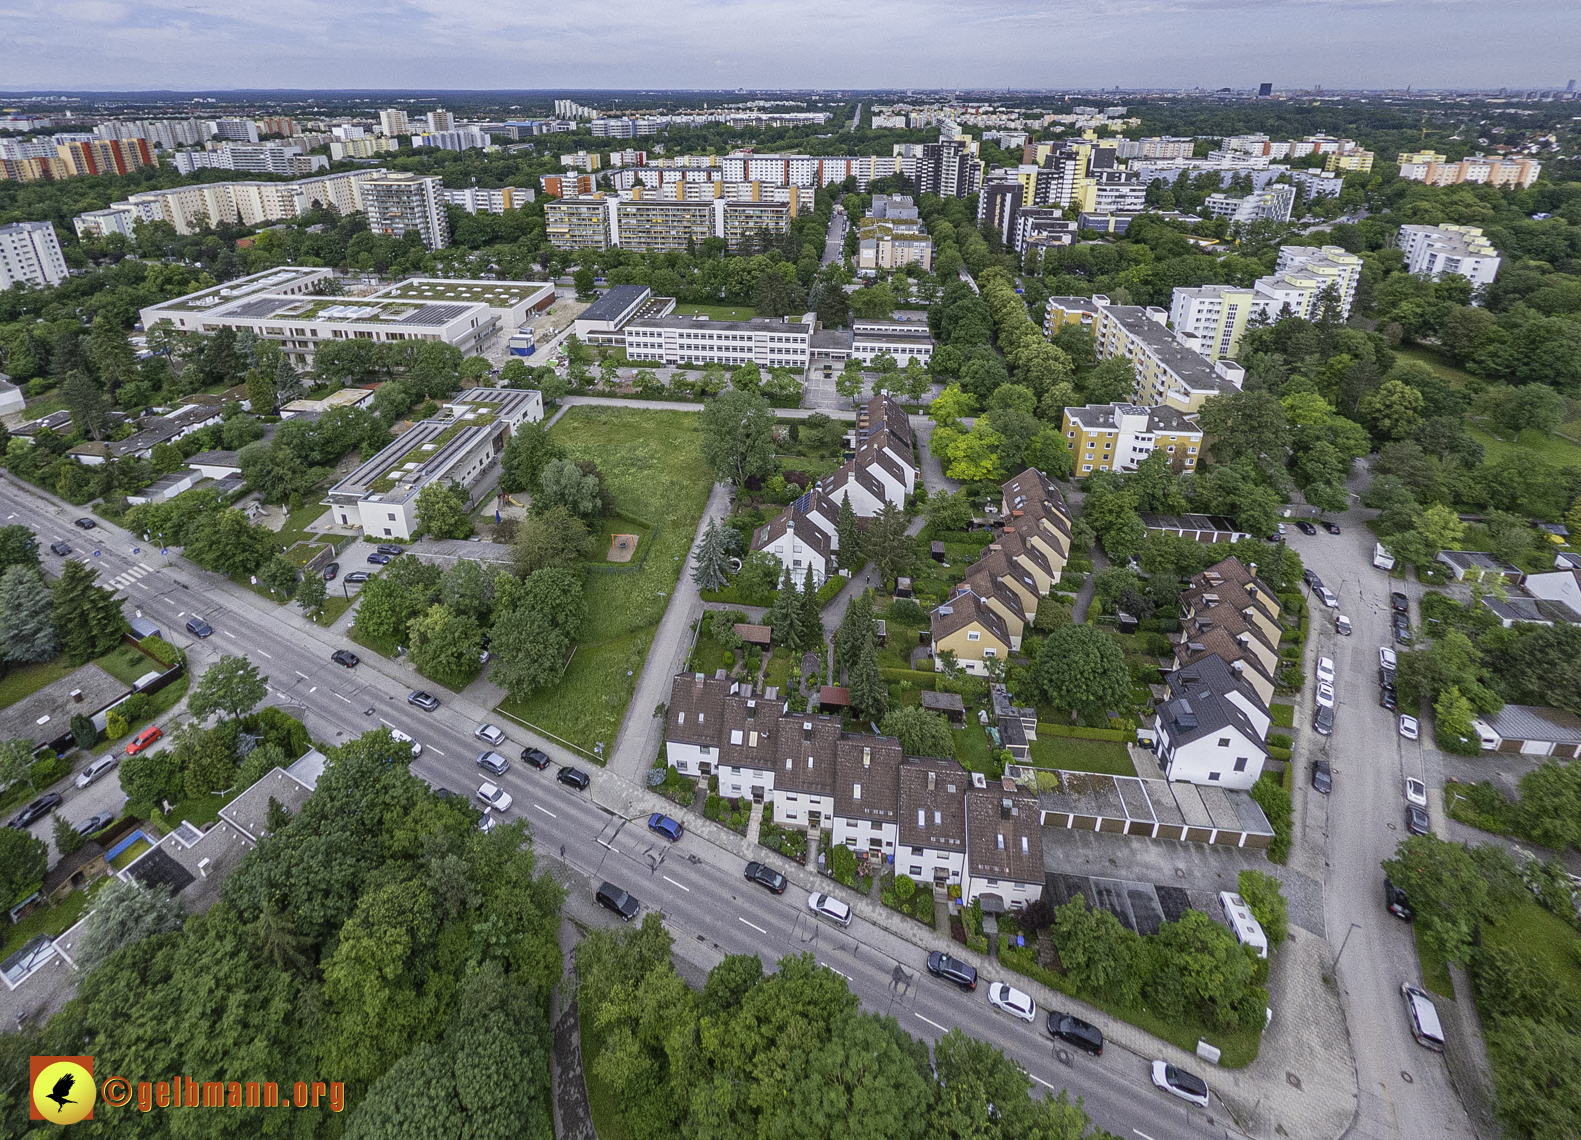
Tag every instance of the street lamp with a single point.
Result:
(1355, 926)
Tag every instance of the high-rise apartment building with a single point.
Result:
(399, 202)
(441, 120)
(30, 255)
(948, 169)
(236, 130)
(394, 122)
(1435, 250)
(104, 156)
(1436, 170)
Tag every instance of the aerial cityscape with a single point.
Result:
(723, 605)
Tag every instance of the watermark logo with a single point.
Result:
(62, 1089)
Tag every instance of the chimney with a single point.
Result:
(933, 778)
(76, 696)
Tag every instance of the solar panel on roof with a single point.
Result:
(800, 505)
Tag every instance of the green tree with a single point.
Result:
(442, 511)
(87, 617)
(18, 544)
(1082, 668)
(83, 734)
(1261, 893)
(529, 450)
(564, 484)
(1395, 409)
(809, 616)
(230, 685)
(89, 406)
(856, 630)
(848, 534)
(228, 543)
(781, 617)
(445, 644)
(1200, 967)
(312, 593)
(1537, 1072)
(466, 590)
(949, 512)
(23, 861)
(848, 385)
(279, 574)
(551, 538)
(27, 625)
(1245, 424)
(869, 694)
(124, 914)
(738, 436)
(1111, 381)
(532, 638)
(1100, 955)
(67, 840)
(982, 1094)
(886, 544)
(1446, 890)
(712, 559)
(920, 732)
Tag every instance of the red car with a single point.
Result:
(144, 739)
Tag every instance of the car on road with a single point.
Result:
(1387, 659)
(1416, 820)
(494, 762)
(331, 571)
(1325, 695)
(1415, 791)
(1388, 697)
(1423, 1015)
(357, 576)
(1012, 1001)
(1331, 527)
(1178, 1082)
(537, 757)
(98, 768)
(1342, 625)
(59, 548)
(1074, 1031)
(663, 825)
(574, 777)
(391, 549)
(1401, 628)
(1325, 670)
(827, 906)
(1324, 720)
(345, 657)
(617, 900)
(487, 822)
(1394, 898)
(1309, 576)
(86, 523)
(1305, 527)
(422, 700)
(36, 810)
(401, 738)
(199, 628)
(1409, 728)
(495, 796)
(144, 740)
(1327, 596)
(490, 733)
(1399, 603)
(96, 822)
(766, 876)
(941, 965)
(379, 559)
(1322, 776)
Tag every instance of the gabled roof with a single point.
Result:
(995, 565)
(873, 762)
(1532, 722)
(963, 609)
(1233, 570)
(749, 732)
(697, 706)
(1227, 618)
(1222, 644)
(1211, 672)
(1004, 834)
(1230, 595)
(1017, 549)
(1033, 492)
(1204, 713)
(805, 754)
(884, 412)
(933, 817)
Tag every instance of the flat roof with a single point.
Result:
(614, 303)
(756, 324)
(257, 283)
(496, 294)
(348, 310)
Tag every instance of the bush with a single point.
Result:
(905, 887)
(1262, 895)
(906, 611)
(115, 725)
(161, 651)
(47, 769)
(135, 707)
(713, 808)
(1280, 740)
(1274, 798)
(1275, 753)
(83, 734)
(842, 864)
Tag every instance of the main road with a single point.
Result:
(698, 887)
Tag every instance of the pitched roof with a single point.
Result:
(697, 706)
(995, 565)
(871, 763)
(1222, 644)
(1033, 492)
(884, 412)
(806, 754)
(933, 816)
(1227, 618)
(1205, 711)
(749, 731)
(1004, 836)
(1232, 569)
(1202, 596)
(1531, 722)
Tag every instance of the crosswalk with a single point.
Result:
(121, 581)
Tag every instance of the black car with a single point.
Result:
(199, 628)
(390, 548)
(1324, 721)
(617, 900)
(423, 700)
(331, 571)
(444, 793)
(1386, 676)
(344, 657)
(766, 876)
(1305, 527)
(1416, 820)
(1389, 698)
(1402, 632)
(1309, 576)
(97, 822)
(941, 965)
(36, 810)
(574, 777)
(1394, 898)
(1074, 1031)
(86, 524)
(59, 548)
(537, 757)
(1322, 776)
(1399, 603)
(379, 559)
(1332, 528)
(358, 576)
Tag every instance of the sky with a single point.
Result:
(189, 45)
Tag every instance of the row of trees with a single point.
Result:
(40, 620)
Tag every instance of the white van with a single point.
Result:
(1423, 1013)
(1248, 931)
(1381, 558)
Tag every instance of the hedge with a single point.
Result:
(1277, 753)
(1123, 735)
(43, 773)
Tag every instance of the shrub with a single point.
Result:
(115, 725)
(47, 769)
(730, 659)
(1280, 740)
(161, 651)
(905, 887)
(906, 612)
(1262, 895)
(842, 864)
(135, 707)
(1274, 798)
(713, 808)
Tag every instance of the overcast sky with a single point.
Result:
(509, 44)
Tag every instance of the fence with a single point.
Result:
(546, 734)
(643, 548)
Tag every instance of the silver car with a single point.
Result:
(94, 771)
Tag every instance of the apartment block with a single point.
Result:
(1117, 437)
(765, 341)
(394, 122)
(1355, 161)
(273, 157)
(1332, 263)
(191, 208)
(657, 223)
(582, 222)
(233, 130)
(1272, 204)
(398, 202)
(1317, 183)
(479, 200)
(1168, 147)
(566, 185)
(1080, 311)
(1435, 250)
(1167, 372)
(458, 140)
(1041, 226)
(30, 255)
(104, 156)
(581, 160)
(370, 147)
(1436, 169)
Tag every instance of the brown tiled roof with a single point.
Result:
(1004, 838)
(1228, 593)
(697, 707)
(961, 611)
(941, 823)
(1220, 643)
(1018, 550)
(996, 564)
(874, 763)
(1034, 492)
(805, 753)
(884, 412)
(1232, 569)
(1226, 618)
(749, 732)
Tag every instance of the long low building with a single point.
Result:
(765, 341)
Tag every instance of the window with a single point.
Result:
(922, 816)
(974, 636)
(916, 870)
(386, 532)
(704, 749)
(392, 519)
(1024, 848)
(856, 790)
(1224, 742)
(916, 851)
(876, 826)
(1001, 838)
(1213, 776)
(1240, 763)
(938, 816)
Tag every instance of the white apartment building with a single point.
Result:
(394, 122)
(1211, 319)
(1318, 183)
(369, 146)
(1167, 371)
(1271, 204)
(464, 139)
(1437, 170)
(254, 158)
(30, 255)
(478, 200)
(441, 120)
(1332, 263)
(1118, 437)
(765, 341)
(191, 208)
(234, 130)
(397, 202)
(1435, 250)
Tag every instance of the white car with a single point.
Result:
(1325, 670)
(491, 733)
(1325, 695)
(1178, 1082)
(1328, 597)
(1409, 728)
(401, 738)
(1012, 1001)
(1386, 658)
(98, 768)
(1415, 791)
(496, 797)
(827, 906)
(488, 823)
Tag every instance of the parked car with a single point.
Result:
(494, 762)
(1324, 721)
(1322, 776)
(390, 548)
(86, 523)
(496, 797)
(345, 657)
(144, 740)
(1402, 629)
(422, 700)
(1387, 659)
(1415, 791)
(487, 822)
(59, 548)
(379, 559)
(827, 906)
(98, 768)
(491, 733)
(617, 900)
(1305, 527)
(1423, 1015)
(766, 876)
(1394, 898)
(1012, 1001)
(401, 738)
(1388, 697)
(1399, 603)
(331, 571)
(537, 757)
(941, 965)
(1416, 820)
(1325, 695)
(1325, 670)
(1331, 527)
(199, 628)
(663, 825)
(36, 810)
(1327, 596)
(358, 576)
(573, 777)
(1409, 727)
(96, 822)
(1309, 576)
(1074, 1031)
(1342, 625)
(1178, 1082)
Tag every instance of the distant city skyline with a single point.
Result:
(112, 45)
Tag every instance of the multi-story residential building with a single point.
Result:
(765, 341)
(479, 200)
(932, 821)
(867, 793)
(191, 208)
(581, 160)
(104, 156)
(1436, 169)
(1041, 226)
(399, 202)
(1435, 250)
(1168, 147)
(948, 169)
(1112, 191)
(1334, 264)
(1212, 318)
(966, 626)
(571, 109)
(394, 122)
(1271, 204)
(464, 139)
(614, 128)
(1211, 730)
(441, 120)
(1004, 847)
(566, 185)
(30, 255)
(1215, 315)
(655, 223)
(457, 446)
(582, 222)
(1167, 372)
(1079, 311)
(1117, 437)
(1317, 183)
(273, 157)
(1355, 161)
(277, 125)
(370, 146)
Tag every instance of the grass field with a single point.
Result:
(1534, 930)
(1437, 362)
(51, 920)
(25, 680)
(1435, 971)
(1105, 756)
(653, 463)
(127, 665)
(717, 312)
(1550, 448)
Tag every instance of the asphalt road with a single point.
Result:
(834, 240)
(703, 901)
(1405, 1089)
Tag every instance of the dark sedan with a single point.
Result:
(941, 965)
(537, 757)
(1305, 527)
(344, 657)
(766, 877)
(96, 823)
(390, 548)
(1416, 820)
(617, 900)
(379, 559)
(1074, 1031)
(1389, 697)
(86, 524)
(1332, 528)
(1322, 776)
(59, 548)
(1399, 603)
(36, 810)
(331, 571)
(573, 777)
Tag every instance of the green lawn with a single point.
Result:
(25, 680)
(975, 751)
(1437, 362)
(1532, 929)
(1550, 448)
(1106, 756)
(653, 463)
(125, 858)
(717, 312)
(1282, 715)
(1435, 971)
(127, 665)
(50, 920)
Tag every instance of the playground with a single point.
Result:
(622, 547)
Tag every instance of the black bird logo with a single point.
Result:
(60, 1093)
